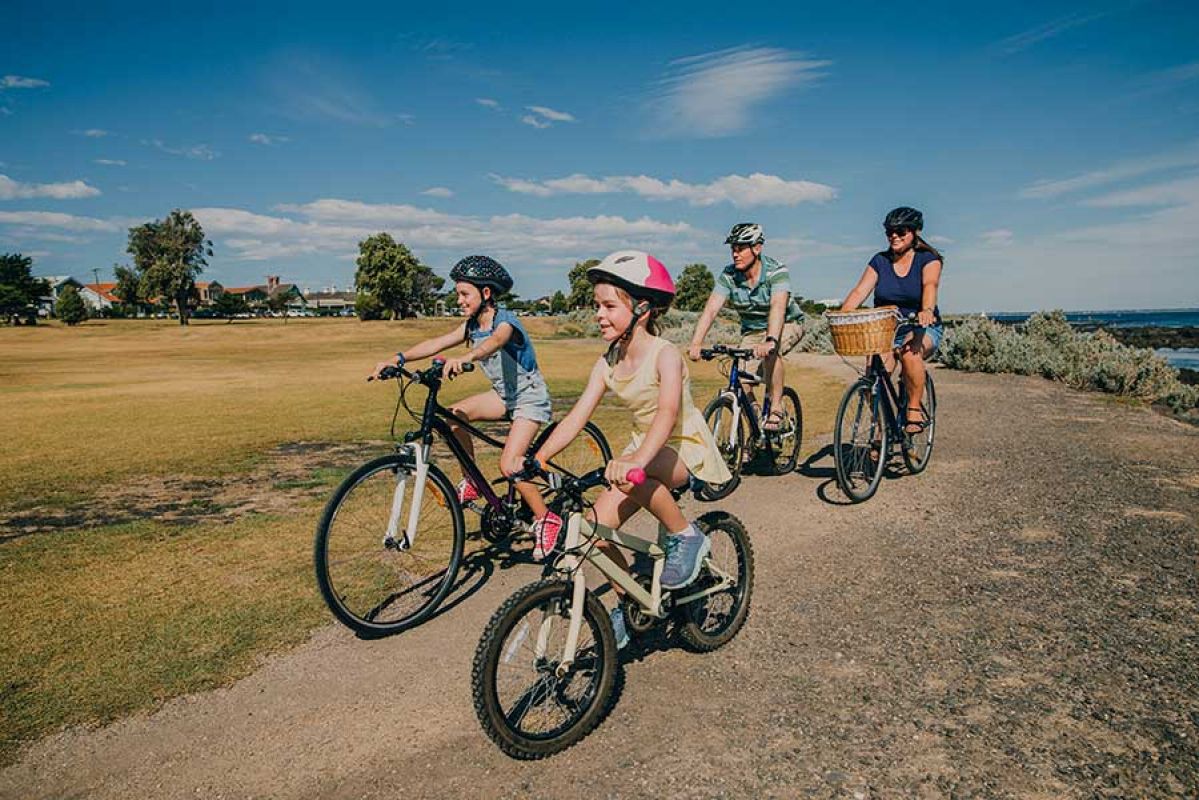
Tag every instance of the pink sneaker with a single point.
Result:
(467, 491)
(546, 531)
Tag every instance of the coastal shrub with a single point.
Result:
(1046, 345)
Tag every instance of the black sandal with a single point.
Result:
(918, 424)
(777, 418)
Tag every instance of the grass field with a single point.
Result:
(98, 620)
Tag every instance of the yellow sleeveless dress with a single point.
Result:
(691, 437)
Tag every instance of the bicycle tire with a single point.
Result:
(918, 448)
(716, 416)
(552, 597)
(785, 456)
(858, 457)
(696, 634)
(369, 587)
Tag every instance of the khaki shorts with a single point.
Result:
(791, 335)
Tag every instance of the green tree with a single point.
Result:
(393, 276)
(19, 290)
(558, 303)
(367, 307)
(229, 305)
(70, 307)
(580, 288)
(128, 288)
(170, 254)
(693, 287)
(277, 303)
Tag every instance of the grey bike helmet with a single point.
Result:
(482, 271)
(746, 233)
(904, 217)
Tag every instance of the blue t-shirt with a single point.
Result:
(512, 361)
(906, 292)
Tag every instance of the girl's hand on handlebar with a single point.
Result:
(693, 352)
(382, 365)
(454, 367)
(617, 473)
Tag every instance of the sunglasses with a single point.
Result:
(900, 231)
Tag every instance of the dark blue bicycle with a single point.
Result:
(736, 423)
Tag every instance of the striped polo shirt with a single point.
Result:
(753, 303)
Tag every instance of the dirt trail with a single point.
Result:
(1019, 621)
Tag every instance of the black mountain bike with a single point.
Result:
(872, 417)
(391, 538)
(736, 424)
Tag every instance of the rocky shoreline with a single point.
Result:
(1149, 336)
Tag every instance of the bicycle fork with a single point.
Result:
(420, 470)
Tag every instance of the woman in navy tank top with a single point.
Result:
(908, 275)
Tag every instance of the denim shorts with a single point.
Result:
(932, 333)
(532, 399)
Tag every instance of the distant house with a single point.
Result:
(45, 304)
(208, 292)
(331, 303)
(256, 297)
(99, 296)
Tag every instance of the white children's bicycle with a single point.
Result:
(545, 668)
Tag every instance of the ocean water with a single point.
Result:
(1185, 357)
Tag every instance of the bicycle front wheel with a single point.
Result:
(918, 447)
(529, 702)
(369, 583)
(731, 432)
(782, 445)
(713, 620)
(860, 442)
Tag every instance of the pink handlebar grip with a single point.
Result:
(635, 476)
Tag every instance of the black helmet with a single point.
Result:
(482, 271)
(746, 233)
(904, 217)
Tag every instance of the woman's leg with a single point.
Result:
(912, 356)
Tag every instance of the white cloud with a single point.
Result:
(262, 138)
(109, 162)
(21, 82)
(1179, 158)
(439, 191)
(74, 190)
(1000, 237)
(487, 102)
(743, 191)
(69, 222)
(1026, 39)
(308, 87)
(335, 226)
(201, 152)
(714, 94)
(4, 111)
(545, 117)
(93, 133)
(934, 239)
(1167, 80)
(551, 114)
(1176, 192)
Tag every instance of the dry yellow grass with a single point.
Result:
(101, 621)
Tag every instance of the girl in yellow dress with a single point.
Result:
(671, 440)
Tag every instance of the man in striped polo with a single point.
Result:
(759, 290)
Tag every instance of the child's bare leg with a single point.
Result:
(512, 461)
(485, 406)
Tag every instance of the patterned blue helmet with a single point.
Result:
(482, 271)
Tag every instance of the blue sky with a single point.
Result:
(1053, 147)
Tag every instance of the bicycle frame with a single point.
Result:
(738, 378)
(581, 533)
(878, 375)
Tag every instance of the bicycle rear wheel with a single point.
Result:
(712, 621)
(782, 446)
(731, 432)
(918, 447)
(372, 586)
(860, 442)
(524, 705)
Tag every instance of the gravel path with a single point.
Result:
(1019, 621)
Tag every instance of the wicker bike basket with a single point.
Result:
(863, 332)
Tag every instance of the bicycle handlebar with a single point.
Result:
(710, 353)
(424, 376)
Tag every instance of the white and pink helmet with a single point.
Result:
(640, 274)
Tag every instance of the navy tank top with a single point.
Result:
(905, 292)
